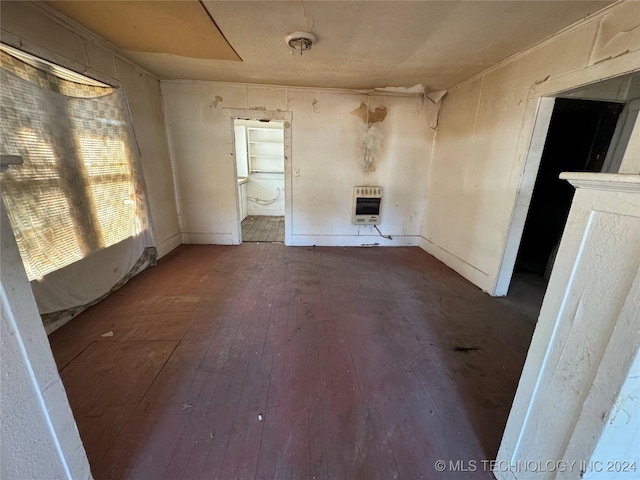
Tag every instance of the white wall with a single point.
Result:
(631, 159)
(261, 186)
(621, 435)
(484, 132)
(327, 153)
(39, 437)
(264, 186)
(575, 398)
(33, 29)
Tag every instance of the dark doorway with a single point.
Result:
(578, 139)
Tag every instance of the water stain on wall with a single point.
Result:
(370, 117)
(371, 148)
(372, 137)
(217, 100)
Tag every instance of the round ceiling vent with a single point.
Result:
(300, 41)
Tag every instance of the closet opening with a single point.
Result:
(578, 140)
(260, 165)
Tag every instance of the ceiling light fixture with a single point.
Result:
(300, 41)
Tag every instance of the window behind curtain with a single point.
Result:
(78, 189)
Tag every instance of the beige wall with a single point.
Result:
(483, 137)
(31, 28)
(327, 141)
(631, 160)
(38, 435)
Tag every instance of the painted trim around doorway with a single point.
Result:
(250, 114)
(542, 119)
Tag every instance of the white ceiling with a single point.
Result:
(369, 44)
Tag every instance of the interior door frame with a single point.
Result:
(543, 109)
(252, 114)
(537, 117)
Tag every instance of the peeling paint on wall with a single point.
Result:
(361, 112)
(407, 90)
(436, 99)
(372, 137)
(619, 34)
(370, 117)
(371, 147)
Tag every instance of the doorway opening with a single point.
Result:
(260, 166)
(578, 139)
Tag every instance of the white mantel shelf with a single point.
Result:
(612, 182)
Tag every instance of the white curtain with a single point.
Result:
(77, 203)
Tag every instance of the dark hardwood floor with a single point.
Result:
(265, 361)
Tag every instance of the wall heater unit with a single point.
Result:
(366, 205)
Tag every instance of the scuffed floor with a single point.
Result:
(265, 361)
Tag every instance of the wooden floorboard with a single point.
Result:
(263, 228)
(265, 361)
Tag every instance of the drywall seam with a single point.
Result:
(542, 43)
(475, 119)
(86, 56)
(87, 34)
(594, 42)
(425, 200)
(174, 170)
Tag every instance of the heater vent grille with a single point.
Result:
(366, 205)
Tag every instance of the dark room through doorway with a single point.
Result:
(579, 135)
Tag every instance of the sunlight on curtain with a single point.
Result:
(78, 190)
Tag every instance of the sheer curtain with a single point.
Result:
(77, 203)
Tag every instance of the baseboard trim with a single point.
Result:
(476, 276)
(169, 244)
(353, 241)
(207, 238)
